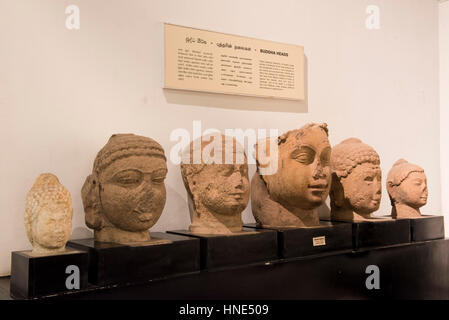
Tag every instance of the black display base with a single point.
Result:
(249, 246)
(298, 242)
(380, 232)
(111, 263)
(416, 270)
(427, 228)
(34, 275)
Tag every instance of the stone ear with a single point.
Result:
(337, 193)
(90, 194)
(391, 192)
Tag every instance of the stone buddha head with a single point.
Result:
(125, 194)
(48, 215)
(356, 181)
(407, 188)
(290, 197)
(217, 184)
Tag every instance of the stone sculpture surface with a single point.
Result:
(125, 194)
(217, 184)
(48, 215)
(356, 181)
(407, 188)
(291, 196)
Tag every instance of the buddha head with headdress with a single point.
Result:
(290, 196)
(215, 174)
(356, 181)
(407, 188)
(48, 215)
(125, 194)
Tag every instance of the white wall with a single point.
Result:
(444, 105)
(63, 93)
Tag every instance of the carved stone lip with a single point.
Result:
(318, 186)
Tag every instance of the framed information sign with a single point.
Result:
(207, 61)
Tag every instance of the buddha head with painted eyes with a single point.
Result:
(290, 196)
(215, 174)
(125, 194)
(356, 181)
(407, 188)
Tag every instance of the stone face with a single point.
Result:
(125, 194)
(290, 197)
(48, 215)
(356, 181)
(217, 187)
(407, 188)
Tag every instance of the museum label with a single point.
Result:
(200, 60)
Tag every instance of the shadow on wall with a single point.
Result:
(226, 101)
(324, 212)
(81, 233)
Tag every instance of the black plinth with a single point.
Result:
(417, 270)
(33, 275)
(169, 255)
(249, 246)
(427, 228)
(380, 232)
(298, 242)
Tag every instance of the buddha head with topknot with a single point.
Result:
(48, 215)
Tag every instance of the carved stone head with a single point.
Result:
(407, 188)
(125, 194)
(48, 215)
(215, 173)
(290, 197)
(356, 181)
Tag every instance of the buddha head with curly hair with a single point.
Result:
(407, 188)
(356, 181)
(48, 215)
(125, 194)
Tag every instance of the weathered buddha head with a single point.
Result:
(215, 173)
(48, 215)
(356, 181)
(407, 188)
(290, 197)
(125, 194)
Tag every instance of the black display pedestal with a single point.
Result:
(298, 242)
(427, 227)
(249, 246)
(417, 270)
(111, 263)
(34, 275)
(382, 231)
